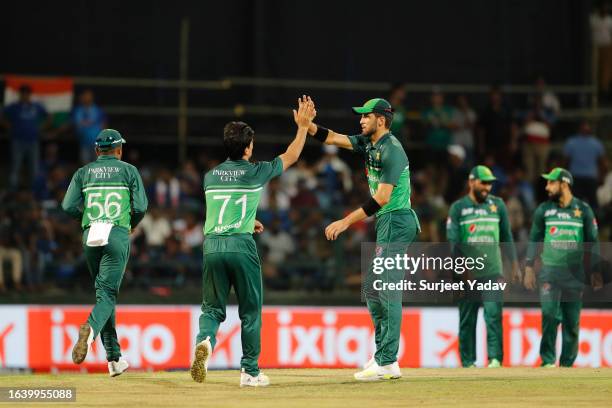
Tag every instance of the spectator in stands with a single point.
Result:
(536, 143)
(457, 173)
(334, 174)
(438, 119)
(585, 157)
(277, 243)
(304, 198)
(25, 119)
(191, 185)
(191, 235)
(9, 251)
(294, 174)
(31, 232)
(497, 131)
(601, 30)
(524, 190)
(465, 122)
(166, 189)
(550, 100)
(274, 203)
(397, 96)
(156, 228)
(88, 120)
(427, 213)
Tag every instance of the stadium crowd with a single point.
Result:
(40, 246)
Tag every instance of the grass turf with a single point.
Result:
(511, 387)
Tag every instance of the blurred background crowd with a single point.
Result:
(40, 246)
(156, 90)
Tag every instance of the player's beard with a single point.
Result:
(555, 197)
(481, 195)
(369, 132)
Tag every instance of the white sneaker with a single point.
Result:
(370, 363)
(199, 366)
(247, 380)
(116, 368)
(376, 373)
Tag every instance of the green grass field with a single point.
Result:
(511, 387)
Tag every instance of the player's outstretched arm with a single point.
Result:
(378, 200)
(330, 137)
(303, 118)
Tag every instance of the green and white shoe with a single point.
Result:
(549, 365)
(201, 355)
(83, 343)
(494, 363)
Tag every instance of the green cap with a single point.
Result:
(482, 173)
(109, 139)
(376, 105)
(559, 174)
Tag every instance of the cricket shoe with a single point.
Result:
(376, 373)
(549, 365)
(116, 368)
(199, 367)
(494, 363)
(247, 380)
(370, 363)
(81, 347)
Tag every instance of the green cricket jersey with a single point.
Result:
(232, 191)
(386, 162)
(470, 223)
(106, 190)
(563, 231)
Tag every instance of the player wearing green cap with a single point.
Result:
(109, 199)
(233, 190)
(476, 224)
(388, 176)
(564, 224)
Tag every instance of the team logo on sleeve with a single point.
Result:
(595, 225)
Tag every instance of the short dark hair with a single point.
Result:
(388, 119)
(237, 136)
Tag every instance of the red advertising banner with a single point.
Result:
(162, 337)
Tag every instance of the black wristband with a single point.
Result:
(370, 207)
(321, 134)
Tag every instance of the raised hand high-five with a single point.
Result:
(306, 112)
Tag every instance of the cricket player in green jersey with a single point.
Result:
(568, 229)
(388, 175)
(476, 224)
(232, 191)
(109, 199)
